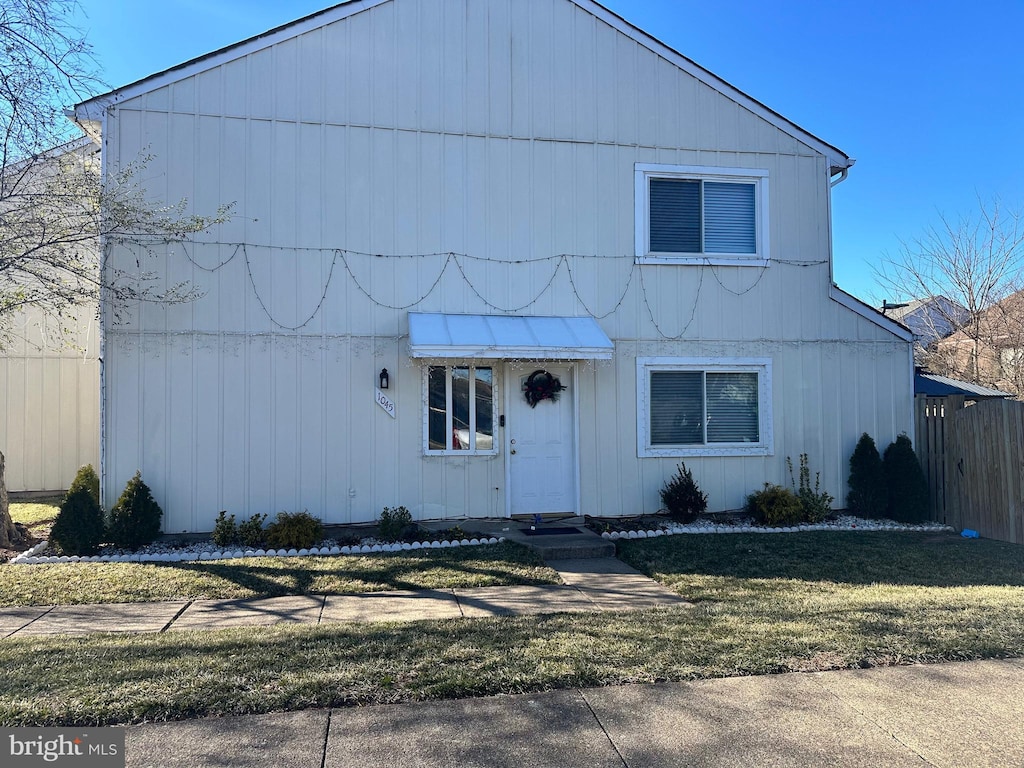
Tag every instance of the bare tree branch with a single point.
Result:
(966, 272)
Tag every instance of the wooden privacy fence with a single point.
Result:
(973, 457)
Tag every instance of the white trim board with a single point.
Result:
(857, 306)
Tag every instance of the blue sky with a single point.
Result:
(927, 96)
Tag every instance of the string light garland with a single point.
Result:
(693, 309)
(457, 259)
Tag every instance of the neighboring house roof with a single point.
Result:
(932, 385)
(90, 111)
(931, 318)
(999, 326)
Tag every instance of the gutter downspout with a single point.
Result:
(842, 174)
(833, 182)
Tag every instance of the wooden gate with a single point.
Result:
(985, 470)
(930, 425)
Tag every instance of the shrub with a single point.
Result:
(225, 532)
(867, 497)
(294, 530)
(87, 479)
(78, 529)
(251, 531)
(774, 505)
(394, 523)
(906, 483)
(135, 518)
(681, 496)
(815, 504)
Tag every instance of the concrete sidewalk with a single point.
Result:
(949, 715)
(602, 584)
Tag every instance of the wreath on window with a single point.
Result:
(542, 385)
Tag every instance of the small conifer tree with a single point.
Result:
(868, 496)
(681, 496)
(87, 479)
(906, 483)
(135, 518)
(78, 529)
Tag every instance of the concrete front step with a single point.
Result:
(568, 546)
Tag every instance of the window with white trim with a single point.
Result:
(700, 214)
(704, 407)
(459, 410)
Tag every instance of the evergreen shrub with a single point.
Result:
(394, 523)
(774, 505)
(906, 483)
(868, 494)
(88, 479)
(294, 530)
(251, 532)
(225, 532)
(135, 518)
(681, 496)
(79, 527)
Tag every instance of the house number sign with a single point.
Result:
(384, 402)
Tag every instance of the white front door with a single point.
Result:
(540, 443)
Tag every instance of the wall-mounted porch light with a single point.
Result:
(384, 378)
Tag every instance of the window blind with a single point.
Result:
(675, 216)
(732, 408)
(729, 218)
(677, 407)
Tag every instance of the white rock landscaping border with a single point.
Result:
(842, 524)
(32, 556)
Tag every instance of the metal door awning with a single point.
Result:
(507, 337)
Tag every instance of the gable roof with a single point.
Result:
(868, 312)
(91, 110)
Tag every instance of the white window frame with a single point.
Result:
(762, 366)
(449, 423)
(644, 172)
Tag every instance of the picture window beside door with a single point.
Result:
(459, 410)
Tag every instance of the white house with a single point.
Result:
(49, 365)
(49, 400)
(478, 195)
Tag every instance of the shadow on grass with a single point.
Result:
(109, 679)
(848, 557)
(414, 570)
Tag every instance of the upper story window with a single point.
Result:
(703, 215)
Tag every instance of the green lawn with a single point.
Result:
(33, 513)
(764, 604)
(71, 583)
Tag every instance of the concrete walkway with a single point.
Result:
(948, 715)
(603, 584)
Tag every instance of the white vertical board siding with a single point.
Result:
(360, 156)
(49, 402)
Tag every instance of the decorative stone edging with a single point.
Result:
(859, 525)
(30, 556)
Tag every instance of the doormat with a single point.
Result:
(550, 531)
